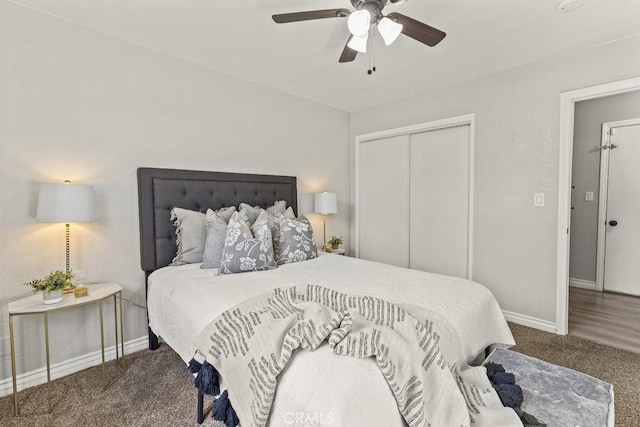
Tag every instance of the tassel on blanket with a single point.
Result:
(223, 411)
(510, 393)
(503, 378)
(529, 420)
(207, 379)
(492, 369)
(194, 366)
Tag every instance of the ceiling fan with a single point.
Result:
(367, 16)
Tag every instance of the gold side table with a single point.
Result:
(33, 305)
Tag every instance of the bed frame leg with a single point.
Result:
(153, 340)
(200, 408)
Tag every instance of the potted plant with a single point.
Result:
(52, 286)
(335, 242)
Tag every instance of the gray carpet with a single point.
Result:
(157, 390)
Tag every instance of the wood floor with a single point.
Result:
(605, 317)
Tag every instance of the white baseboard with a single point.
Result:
(532, 322)
(583, 284)
(70, 366)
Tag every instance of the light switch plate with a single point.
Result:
(588, 196)
(538, 199)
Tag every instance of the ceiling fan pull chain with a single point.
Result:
(372, 51)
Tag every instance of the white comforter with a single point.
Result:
(316, 388)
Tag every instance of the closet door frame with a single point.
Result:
(466, 119)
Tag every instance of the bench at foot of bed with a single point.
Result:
(556, 395)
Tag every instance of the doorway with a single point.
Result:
(568, 102)
(604, 275)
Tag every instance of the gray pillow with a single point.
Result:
(191, 232)
(278, 207)
(252, 212)
(216, 232)
(225, 213)
(295, 240)
(242, 252)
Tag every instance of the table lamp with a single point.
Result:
(65, 203)
(325, 203)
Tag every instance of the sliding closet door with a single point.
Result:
(439, 198)
(383, 200)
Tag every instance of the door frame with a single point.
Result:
(603, 195)
(565, 159)
(463, 120)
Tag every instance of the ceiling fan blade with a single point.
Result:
(348, 54)
(417, 30)
(283, 18)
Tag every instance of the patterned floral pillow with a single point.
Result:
(295, 240)
(265, 218)
(242, 252)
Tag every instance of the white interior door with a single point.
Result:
(383, 200)
(622, 241)
(439, 213)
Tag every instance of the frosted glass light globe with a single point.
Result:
(359, 22)
(359, 43)
(389, 30)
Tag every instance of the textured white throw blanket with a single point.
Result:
(252, 343)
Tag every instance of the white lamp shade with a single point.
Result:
(65, 203)
(359, 43)
(325, 203)
(389, 30)
(359, 22)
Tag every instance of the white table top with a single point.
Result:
(34, 304)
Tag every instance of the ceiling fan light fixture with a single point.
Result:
(359, 43)
(389, 30)
(359, 22)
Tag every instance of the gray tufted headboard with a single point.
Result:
(159, 190)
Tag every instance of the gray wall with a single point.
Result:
(589, 117)
(516, 155)
(82, 105)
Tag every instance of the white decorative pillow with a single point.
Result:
(289, 213)
(242, 252)
(216, 223)
(252, 212)
(191, 232)
(295, 240)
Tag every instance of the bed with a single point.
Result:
(182, 300)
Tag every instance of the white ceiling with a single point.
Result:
(238, 37)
